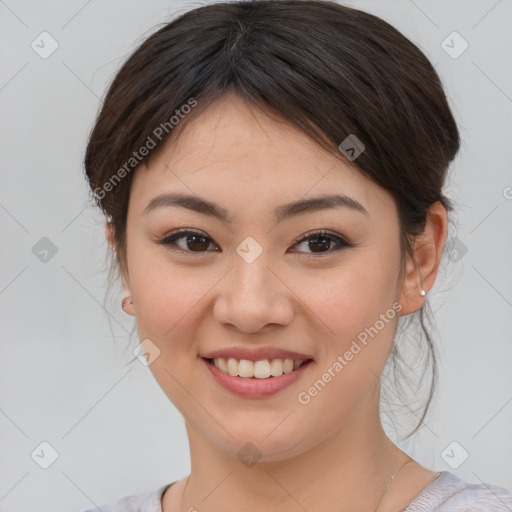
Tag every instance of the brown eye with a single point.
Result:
(317, 242)
(320, 242)
(193, 241)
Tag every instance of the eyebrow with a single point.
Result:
(280, 213)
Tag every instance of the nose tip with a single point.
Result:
(252, 298)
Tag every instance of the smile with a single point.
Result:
(256, 379)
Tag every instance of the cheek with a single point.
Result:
(353, 298)
(165, 295)
(168, 308)
(358, 317)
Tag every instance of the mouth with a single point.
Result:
(256, 379)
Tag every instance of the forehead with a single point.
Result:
(242, 156)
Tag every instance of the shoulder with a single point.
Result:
(448, 493)
(145, 502)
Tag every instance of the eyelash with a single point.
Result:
(170, 239)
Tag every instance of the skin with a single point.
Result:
(315, 454)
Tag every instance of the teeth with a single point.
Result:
(259, 369)
(245, 368)
(233, 367)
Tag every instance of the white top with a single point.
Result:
(447, 493)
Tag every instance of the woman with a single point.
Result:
(272, 175)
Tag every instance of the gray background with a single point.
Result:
(65, 376)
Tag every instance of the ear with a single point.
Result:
(109, 235)
(428, 250)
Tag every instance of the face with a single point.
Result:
(320, 281)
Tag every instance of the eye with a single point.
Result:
(323, 240)
(197, 242)
(193, 241)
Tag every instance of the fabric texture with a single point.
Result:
(447, 493)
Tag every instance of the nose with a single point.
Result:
(253, 296)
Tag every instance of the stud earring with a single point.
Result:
(422, 292)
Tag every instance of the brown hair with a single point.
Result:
(331, 70)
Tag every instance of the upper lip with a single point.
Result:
(256, 354)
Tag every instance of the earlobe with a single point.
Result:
(127, 305)
(127, 302)
(421, 271)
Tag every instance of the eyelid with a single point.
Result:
(321, 232)
(180, 233)
(340, 240)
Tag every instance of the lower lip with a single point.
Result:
(253, 387)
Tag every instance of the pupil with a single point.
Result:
(325, 244)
